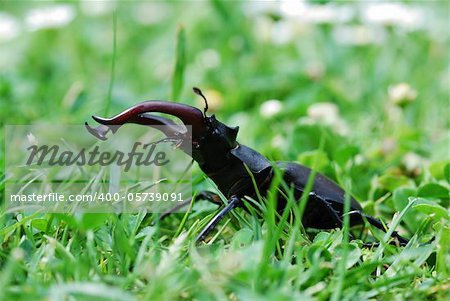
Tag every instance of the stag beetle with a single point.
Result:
(229, 164)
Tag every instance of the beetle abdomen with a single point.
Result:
(323, 187)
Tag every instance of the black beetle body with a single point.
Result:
(227, 163)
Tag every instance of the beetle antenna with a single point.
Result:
(199, 92)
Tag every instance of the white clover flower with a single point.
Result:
(49, 17)
(262, 28)
(401, 94)
(358, 35)
(283, 32)
(359, 159)
(323, 111)
(296, 17)
(162, 71)
(393, 14)
(270, 108)
(388, 145)
(315, 70)
(9, 27)
(32, 139)
(17, 254)
(316, 14)
(97, 8)
(209, 58)
(320, 14)
(44, 261)
(412, 161)
(327, 113)
(151, 12)
(292, 8)
(241, 119)
(278, 141)
(258, 8)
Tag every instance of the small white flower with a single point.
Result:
(320, 14)
(271, 108)
(9, 27)
(316, 14)
(17, 254)
(32, 139)
(258, 8)
(262, 28)
(412, 161)
(315, 70)
(162, 71)
(323, 111)
(357, 35)
(327, 113)
(151, 12)
(49, 17)
(209, 58)
(359, 159)
(282, 32)
(393, 14)
(388, 145)
(328, 13)
(44, 260)
(402, 94)
(292, 8)
(241, 119)
(97, 8)
(278, 141)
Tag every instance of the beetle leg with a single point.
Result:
(356, 219)
(202, 195)
(333, 214)
(377, 224)
(323, 206)
(233, 202)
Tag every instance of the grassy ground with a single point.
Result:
(384, 127)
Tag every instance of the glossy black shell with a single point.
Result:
(325, 200)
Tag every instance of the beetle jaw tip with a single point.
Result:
(98, 132)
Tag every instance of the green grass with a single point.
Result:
(394, 159)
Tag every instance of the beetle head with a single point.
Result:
(213, 147)
(211, 139)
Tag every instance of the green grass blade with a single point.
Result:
(113, 66)
(180, 63)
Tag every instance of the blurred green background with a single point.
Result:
(371, 78)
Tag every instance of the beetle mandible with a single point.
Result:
(229, 164)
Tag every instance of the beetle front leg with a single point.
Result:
(373, 221)
(320, 214)
(202, 195)
(232, 203)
